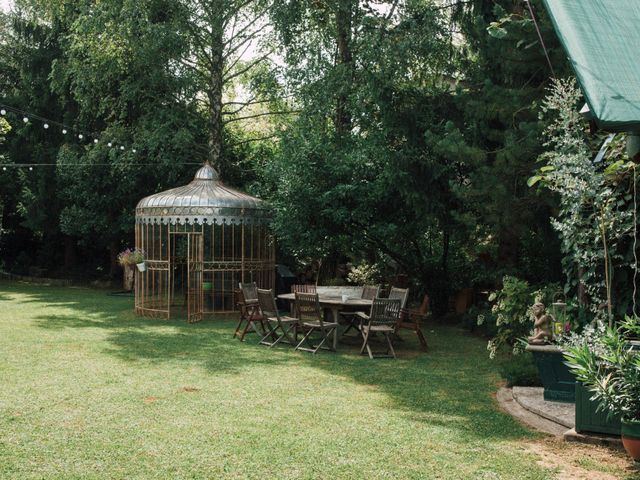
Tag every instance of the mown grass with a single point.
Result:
(88, 390)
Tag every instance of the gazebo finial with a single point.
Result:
(207, 172)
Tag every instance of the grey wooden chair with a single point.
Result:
(250, 292)
(384, 316)
(279, 328)
(301, 288)
(401, 294)
(369, 292)
(311, 321)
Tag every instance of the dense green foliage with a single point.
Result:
(595, 220)
(397, 136)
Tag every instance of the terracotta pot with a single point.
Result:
(631, 438)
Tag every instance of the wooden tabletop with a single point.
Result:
(332, 300)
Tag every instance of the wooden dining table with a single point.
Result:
(334, 303)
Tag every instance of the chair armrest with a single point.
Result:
(412, 315)
(362, 315)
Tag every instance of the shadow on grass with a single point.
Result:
(451, 386)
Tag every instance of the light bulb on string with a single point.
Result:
(3, 112)
(30, 168)
(25, 119)
(121, 147)
(109, 144)
(46, 125)
(4, 169)
(64, 131)
(80, 136)
(134, 150)
(95, 140)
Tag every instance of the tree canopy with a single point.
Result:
(397, 134)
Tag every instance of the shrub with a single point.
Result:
(519, 370)
(512, 312)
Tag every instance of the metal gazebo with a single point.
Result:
(200, 241)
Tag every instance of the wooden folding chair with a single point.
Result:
(301, 288)
(279, 327)
(383, 319)
(369, 292)
(250, 292)
(412, 318)
(401, 294)
(250, 316)
(311, 321)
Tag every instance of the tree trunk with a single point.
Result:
(214, 91)
(344, 15)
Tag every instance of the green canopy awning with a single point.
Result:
(602, 38)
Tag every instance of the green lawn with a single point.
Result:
(88, 390)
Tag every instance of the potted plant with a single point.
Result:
(610, 368)
(131, 257)
(589, 417)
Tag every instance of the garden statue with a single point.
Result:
(542, 325)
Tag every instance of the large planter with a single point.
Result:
(631, 439)
(589, 419)
(557, 380)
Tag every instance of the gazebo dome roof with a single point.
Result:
(205, 200)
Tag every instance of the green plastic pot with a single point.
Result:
(589, 418)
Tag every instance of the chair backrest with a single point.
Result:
(303, 288)
(239, 299)
(308, 308)
(267, 303)
(384, 311)
(250, 292)
(401, 294)
(369, 292)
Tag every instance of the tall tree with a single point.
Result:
(227, 42)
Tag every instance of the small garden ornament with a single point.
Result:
(542, 326)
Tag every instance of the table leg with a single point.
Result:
(335, 313)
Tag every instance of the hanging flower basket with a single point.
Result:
(129, 258)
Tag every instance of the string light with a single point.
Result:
(79, 164)
(28, 117)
